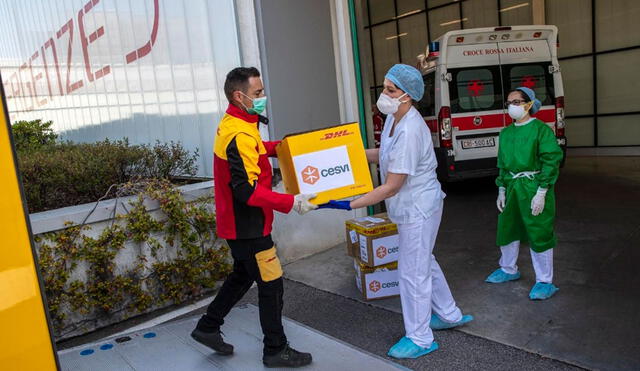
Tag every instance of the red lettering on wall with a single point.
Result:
(146, 48)
(15, 87)
(26, 86)
(78, 84)
(34, 79)
(92, 38)
(51, 44)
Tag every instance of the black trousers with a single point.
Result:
(245, 272)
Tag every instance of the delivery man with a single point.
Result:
(414, 202)
(244, 215)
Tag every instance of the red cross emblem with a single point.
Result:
(475, 87)
(528, 82)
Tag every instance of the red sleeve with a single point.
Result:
(263, 197)
(271, 147)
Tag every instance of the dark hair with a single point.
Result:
(238, 79)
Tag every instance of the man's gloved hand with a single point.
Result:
(537, 203)
(301, 203)
(502, 198)
(340, 205)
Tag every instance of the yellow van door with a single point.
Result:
(25, 337)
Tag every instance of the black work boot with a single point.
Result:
(287, 357)
(213, 340)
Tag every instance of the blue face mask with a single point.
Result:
(259, 104)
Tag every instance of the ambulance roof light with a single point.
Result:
(502, 28)
(434, 46)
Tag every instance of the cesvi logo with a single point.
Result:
(337, 134)
(310, 175)
(375, 286)
(381, 252)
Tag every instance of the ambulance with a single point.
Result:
(468, 75)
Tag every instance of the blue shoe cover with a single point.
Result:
(438, 324)
(541, 291)
(499, 276)
(406, 348)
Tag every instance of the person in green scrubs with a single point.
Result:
(529, 160)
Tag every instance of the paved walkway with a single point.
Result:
(169, 347)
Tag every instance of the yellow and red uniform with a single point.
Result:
(243, 195)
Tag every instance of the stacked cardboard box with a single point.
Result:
(374, 244)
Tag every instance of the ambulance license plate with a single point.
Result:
(478, 143)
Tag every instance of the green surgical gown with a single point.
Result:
(531, 147)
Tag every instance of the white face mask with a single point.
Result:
(388, 105)
(517, 112)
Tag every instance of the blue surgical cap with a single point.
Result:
(408, 79)
(531, 96)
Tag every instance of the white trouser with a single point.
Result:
(542, 261)
(422, 283)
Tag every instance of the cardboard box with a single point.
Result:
(353, 247)
(329, 162)
(379, 282)
(373, 239)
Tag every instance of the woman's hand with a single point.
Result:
(538, 201)
(502, 199)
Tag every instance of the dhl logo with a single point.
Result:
(337, 134)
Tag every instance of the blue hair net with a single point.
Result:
(531, 96)
(408, 79)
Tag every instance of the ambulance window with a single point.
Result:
(475, 90)
(427, 106)
(534, 76)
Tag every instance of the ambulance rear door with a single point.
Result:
(528, 63)
(476, 102)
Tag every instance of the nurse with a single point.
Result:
(529, 160)
(414, 202)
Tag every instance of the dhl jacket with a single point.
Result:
(242, 178)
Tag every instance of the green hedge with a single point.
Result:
(58, 174)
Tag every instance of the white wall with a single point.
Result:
(172, 93)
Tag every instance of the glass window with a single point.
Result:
(617, 24)
(573, 18)
(533, 76)
(434, 3)
(385, 49)
(366, 56)
(619, 130)
(480, 13)
(365, 12)
(618, 82)
(381, 10)
(427, 106)
(516, 12)
(475, 89)
(577, 80)
(579, 132)
(413, 39)
(406, 7)
(444, 19)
